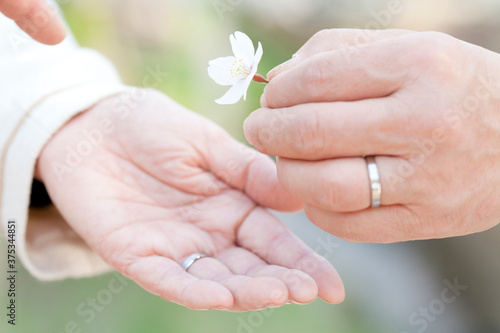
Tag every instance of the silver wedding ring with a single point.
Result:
(376, 188)
(190, 260)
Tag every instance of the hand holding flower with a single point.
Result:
(425, 104)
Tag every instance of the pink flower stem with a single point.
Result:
(260, 79)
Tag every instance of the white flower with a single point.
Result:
(237, 71)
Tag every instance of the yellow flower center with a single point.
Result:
(238, 69)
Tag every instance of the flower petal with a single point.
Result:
(255, 67)
(220, 71)
(224, 62)
(256, 60)
(235, 93)
(248, 81)
(242, 47)
(244, 60)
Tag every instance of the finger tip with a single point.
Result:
(248, 129)
(51, 41)
(225, 302)
(337, 299)
(263, 100)
(60, 37)
(330, 286)
(223, 297)
(279, 296)
(283, 67)
(304, 292)
(333, 292)
(278, 70)
(275, 197)
(53, 35)
(273, 72)
(290, 204)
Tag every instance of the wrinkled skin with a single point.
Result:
(425, 104)
(162, 183)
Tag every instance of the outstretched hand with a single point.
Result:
(162, 183)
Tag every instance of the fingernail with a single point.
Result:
(272, 306)
(276, 70)
(218, 308)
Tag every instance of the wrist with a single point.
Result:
(52, 155)
(75, 140)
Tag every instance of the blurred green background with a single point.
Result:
(385, 283)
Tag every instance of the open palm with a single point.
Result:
(164, 183)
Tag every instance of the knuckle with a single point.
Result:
(316, 78)
(425, 225)
(404, 223)
(430, 51)
(323, 35)
(330, 193)
(425, 127)
(336, 194)
(304, 134)
(329, 39)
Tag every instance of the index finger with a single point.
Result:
(334, 39)
(36, 18)
(368, 71)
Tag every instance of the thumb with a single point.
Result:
(252, 172)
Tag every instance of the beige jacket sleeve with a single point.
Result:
(41, 88)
